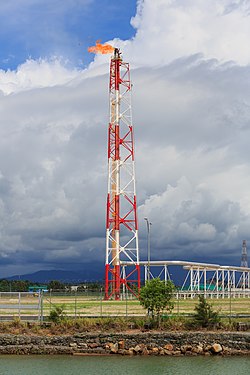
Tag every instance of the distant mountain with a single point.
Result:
(91, 272)
(88, 273)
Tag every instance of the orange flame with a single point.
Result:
(101, 48)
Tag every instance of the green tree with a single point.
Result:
(156, 296)
(5, 285)
(20, 285)
(14, 285)
(56, 285)
(205, 316)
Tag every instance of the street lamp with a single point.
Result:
(148, 240)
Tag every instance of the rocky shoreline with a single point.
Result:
(148, 343)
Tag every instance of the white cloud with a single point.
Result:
(36, 73)
(167, 30)
(192, 128)
(170, 29)
(191, 217)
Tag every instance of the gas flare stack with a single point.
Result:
(121, 219)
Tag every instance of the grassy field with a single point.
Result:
(84, 306)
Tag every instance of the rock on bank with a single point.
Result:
(165, 343)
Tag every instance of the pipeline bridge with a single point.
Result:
(212, 280)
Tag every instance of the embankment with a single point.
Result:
(148, 343)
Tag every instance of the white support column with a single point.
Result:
(234, 286)
(223, 283)
(191, 281)
(165, 273)
(243, 284)
(194, 280)
(217, 284)
(198, 279)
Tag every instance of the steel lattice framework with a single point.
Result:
(121, 221)
(212, 280)
(244, 262)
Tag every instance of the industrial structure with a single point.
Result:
(212, 280)
(121, 219)
(244, 262)
(122, 265)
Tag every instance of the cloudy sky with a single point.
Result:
(190, 66)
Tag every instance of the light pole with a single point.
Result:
(148, 240)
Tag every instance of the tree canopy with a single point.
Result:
(156, 296)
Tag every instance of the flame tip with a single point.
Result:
(101, 48)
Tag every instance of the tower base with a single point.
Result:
(115, 283)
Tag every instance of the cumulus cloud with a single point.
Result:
(167, 30)
(170, 29)
(35, 73)
(52, 176)
(196, 130)
(191, 114)
(191, 219)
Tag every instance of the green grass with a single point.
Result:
(131, 307)
(81, 305)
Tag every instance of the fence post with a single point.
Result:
(101, 303)
(50, 300)
(19, 303)
(75, 304)
(41, 296)
(230, 303)
(178, 303)
(126, 293)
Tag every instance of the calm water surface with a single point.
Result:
(60, 365)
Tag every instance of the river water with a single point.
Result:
(116, 365)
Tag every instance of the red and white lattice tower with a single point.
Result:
(121, 221)
(244, 262)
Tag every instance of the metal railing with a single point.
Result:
(22, 305)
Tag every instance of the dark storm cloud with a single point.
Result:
(191, 118)
(188, 139)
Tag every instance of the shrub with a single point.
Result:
(57, 314)
(136, 323)
(16, 322)
(205, 316)
(174, 323)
